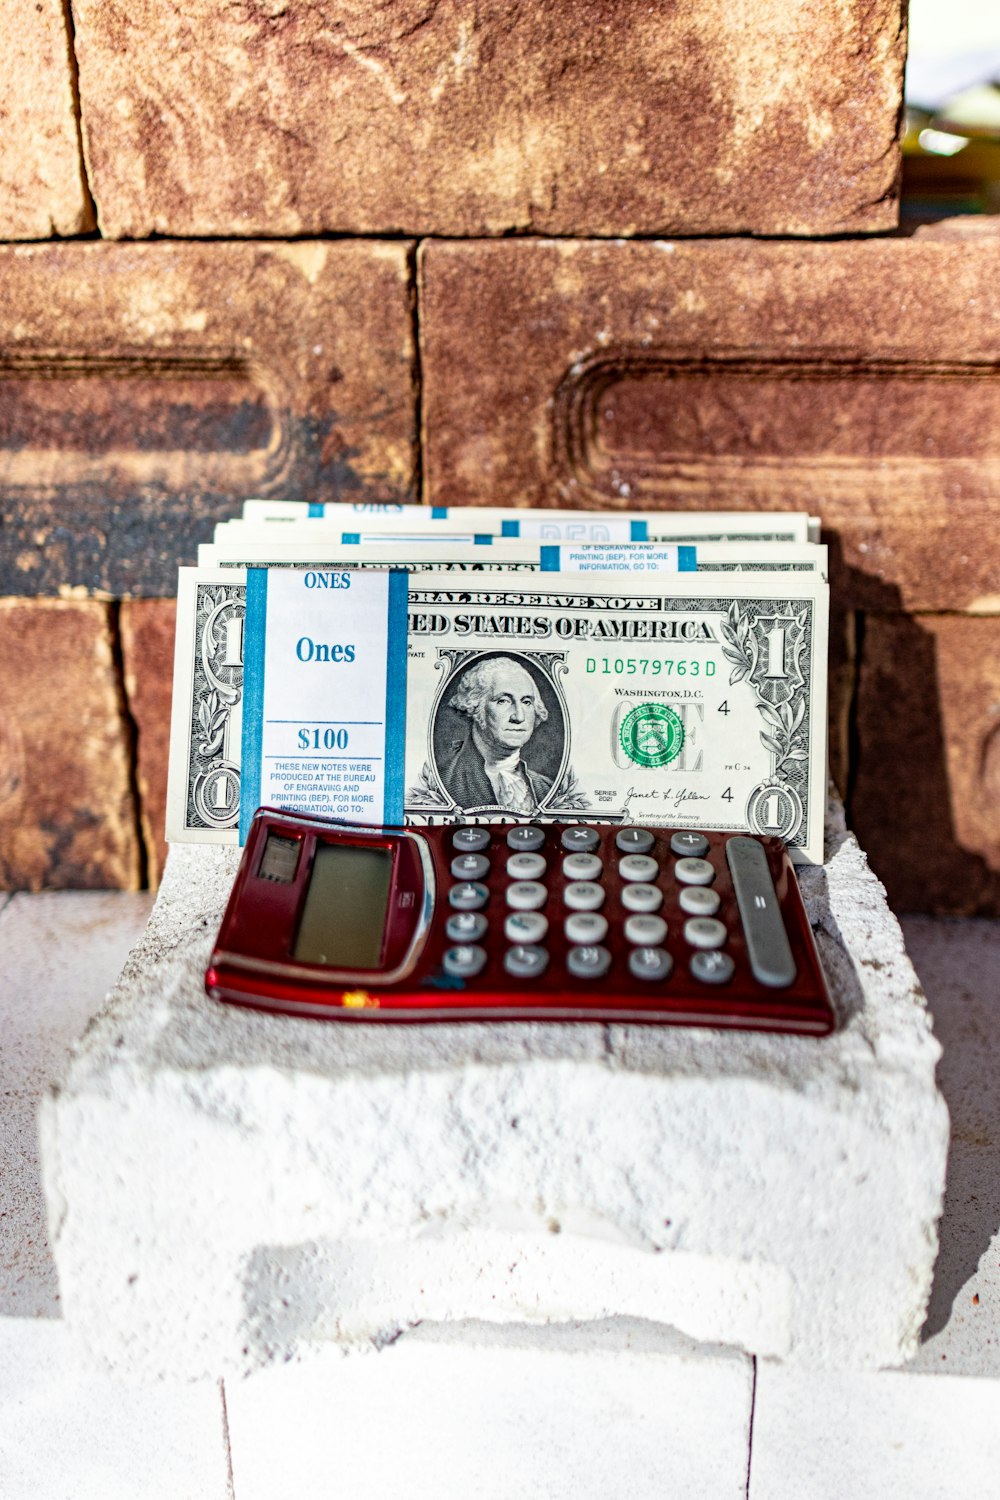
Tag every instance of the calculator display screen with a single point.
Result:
(343, 919)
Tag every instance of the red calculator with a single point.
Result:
(519, 921)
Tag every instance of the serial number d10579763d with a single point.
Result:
(649, 666)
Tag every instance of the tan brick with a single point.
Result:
(41, 174)
(147, 638)
(450, 116)
(859, 380)
(66, 814)
(147, 389)
(926, 800)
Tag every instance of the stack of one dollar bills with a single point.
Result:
(402, 663)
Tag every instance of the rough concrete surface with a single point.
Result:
(148, 389)
(41, 172)
(857, 380)
(928, 699)
(147, 635)
(452, 117)
(605, 1411)
(66, 815)
(287, 1181)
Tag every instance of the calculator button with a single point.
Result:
(525, 961)
(704, 932)
(581, 867)
(578, 840)
(466, 927)
(646, 930)
(690, 843)
(692, 871)
(634, 840)
(526, 866)
(470, 840)
(699, 901)
(650, 963)
(525, 927)
(526, 895)
(585, 927)
(469, 896)
(465, 961)
(771, 960)
(525, 837)
(583, 895)
(641, 897)
(588, 962)
(638, 867)
(470, 866)
(712, 968)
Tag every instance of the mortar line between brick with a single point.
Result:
(74, 83)
(417, 372)
(131, 731)
(230, 1481)
(753, 1408)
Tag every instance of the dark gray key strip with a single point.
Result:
(580, 840)
(470, 840)
(690, 843)
(464, 962)
(465, 927)
(650, 963)
(470, 866)
(590, 962)
(770, 956)
(525, 961)
(712, 968)
(634, 840)
(525, 838)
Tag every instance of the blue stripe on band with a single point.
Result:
(550, 559)
(395, 697)
(254, 642)
(637, 531)
(316, 508)
(510, 528)
(439, 512)
(687, 559)
(350, 538)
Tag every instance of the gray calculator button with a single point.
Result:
(588, 962)
(469, 896)
(470, 866)
(638, 867)
(704, 932)
(526, 895)
(465, 961)
(584, 895)
(713, 967)
(699, 901)
(582, 867)
(525, 837)
(466, 927)
(692, 871)
(525, 927)
(525, 961)
(634, 840)
(770, 956)
(579, 840)
(470, 840)
(645, 930)
(526, 866)
(690, 843)
(650, 963)
(585, 927)
(641, 897)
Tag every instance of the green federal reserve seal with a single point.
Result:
(652, 734)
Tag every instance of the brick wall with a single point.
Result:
(592, 252)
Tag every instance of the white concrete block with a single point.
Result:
(610, 1411)
(59, 955)
(891, 1435)
(68, 1434)
(283, 1180)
